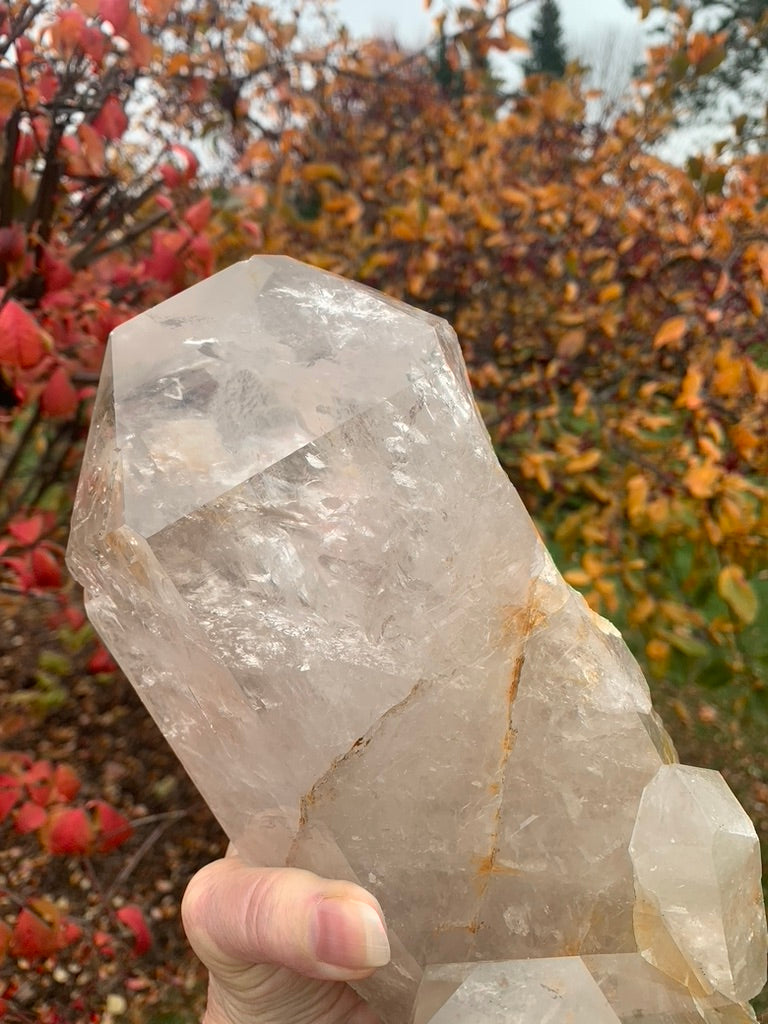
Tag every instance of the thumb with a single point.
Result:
(243, 922)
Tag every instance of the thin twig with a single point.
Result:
(133, 862)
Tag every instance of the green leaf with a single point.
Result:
(735, 590)
(686, 644)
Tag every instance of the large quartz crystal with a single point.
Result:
(296, 539)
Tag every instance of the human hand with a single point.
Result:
(281, 943)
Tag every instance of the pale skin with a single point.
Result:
(281, 944)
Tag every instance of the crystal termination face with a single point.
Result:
(296, 539)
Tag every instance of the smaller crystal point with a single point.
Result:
(558, 990)
(699, 914)
(620, 988)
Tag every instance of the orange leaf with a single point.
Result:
(67, 31)
(10, 95)
(690, 390)
(671, 332)
(158, 10)
(92, 148)
(572, 343)
(728, 379)
(610, 293)
(744, 441)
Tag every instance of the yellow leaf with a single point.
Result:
(657, 650)
(755, 300)
(642, 610)
(488, 220)
(577, 578)
(735, 590)
(582, 463)
(671, 332)
(637, 495)
(570, 318)
(729, 372)
(690, 391)
(610, 293)
(320, 172)
(701, 479)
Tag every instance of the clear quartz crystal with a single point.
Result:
(296, 539)
(696, 860)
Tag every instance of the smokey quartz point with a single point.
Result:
(296, 539)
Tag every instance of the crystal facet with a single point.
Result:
(618, 988)
(295, 537)
(696, 861)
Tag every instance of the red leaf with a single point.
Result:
(10, 791)
(66, 782)
(22, 340)
(111, 121)
(197, 216)
(38, 780)
(69, 933)
(27, 531)
(68, 832)
(133, 919)
(112, 828)
(25, 147)
(21, 567)
(116, 12)
(32, 938)
(139, 45)
(100, 661)
(94, 43)
(5, 941)
(59, 397)
(58, 273)
(46, 569)
(30, 817)
(12, 244)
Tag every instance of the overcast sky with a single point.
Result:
(411, 23)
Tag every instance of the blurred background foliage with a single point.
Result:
(611, 305)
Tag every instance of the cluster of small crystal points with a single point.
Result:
(295, 537)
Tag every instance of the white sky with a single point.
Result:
(409, 21)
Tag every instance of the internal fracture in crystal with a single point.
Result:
(296, 539)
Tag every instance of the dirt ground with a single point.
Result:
(104, 732)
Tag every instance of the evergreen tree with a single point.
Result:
(548, 54)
